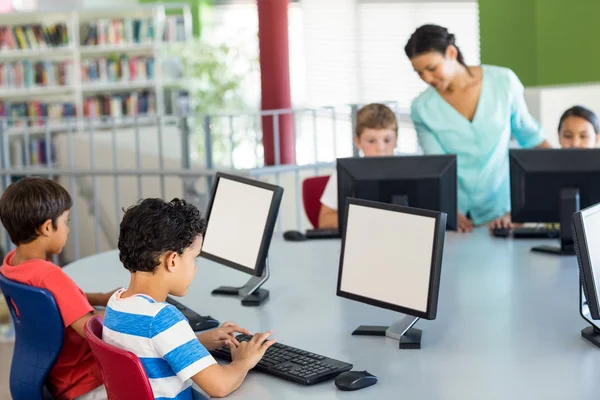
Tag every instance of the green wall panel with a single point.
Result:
(546, 42)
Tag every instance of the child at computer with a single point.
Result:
(159, 243)
(578, 128)
(35, 214)
(376, 134)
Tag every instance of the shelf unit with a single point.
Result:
(29, 142)
(76, 52)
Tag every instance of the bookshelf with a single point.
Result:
(68, 64)
(74, 56)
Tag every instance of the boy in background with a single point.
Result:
(159, 243)
(35, 213)
(376, 135)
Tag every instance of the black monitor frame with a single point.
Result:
(438, 171)
(589, 304)
(563, 181)
(251, 292)
(409, 337)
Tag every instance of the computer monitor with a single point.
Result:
(586, 234)
(427, 182)
(391, 258)
(549, 185)
(241, 218)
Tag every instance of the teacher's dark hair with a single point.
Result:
(581, 112)
(432, 38)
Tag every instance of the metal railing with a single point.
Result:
(110, 163)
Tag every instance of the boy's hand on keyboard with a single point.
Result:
(221, 336)
(251, 352)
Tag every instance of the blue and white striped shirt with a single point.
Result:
(163, 340)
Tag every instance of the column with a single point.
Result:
(275, 80)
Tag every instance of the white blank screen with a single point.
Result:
(237, 222)
(591, 225)
(387, 256)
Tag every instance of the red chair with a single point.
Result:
(312, 190)
(123, 374)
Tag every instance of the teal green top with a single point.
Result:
(481, 145)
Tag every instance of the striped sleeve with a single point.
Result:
(175, 341)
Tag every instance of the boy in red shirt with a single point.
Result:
(35, 213)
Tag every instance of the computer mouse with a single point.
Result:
(501, 232)
(355, 380)
(205, 324)
(294, 236)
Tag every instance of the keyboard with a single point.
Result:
(292, 364)
(541, 232)
(198, 322)
(322, 234)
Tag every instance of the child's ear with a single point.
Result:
(357, 142)
(171, 261)
(46, 228)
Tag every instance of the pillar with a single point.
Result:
(275, 79)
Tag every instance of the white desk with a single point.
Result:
(508, 324)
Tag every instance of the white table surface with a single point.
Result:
(508, 324)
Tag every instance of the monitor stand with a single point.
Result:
(400, 199)
(592, 332)
(569, 204)
(251, 293)
(409, 337)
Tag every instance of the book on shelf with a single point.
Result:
(114, 31)
(121, 105)
(118, 68)
(174, 29)
(33, 36)
(34, 113)
(35, 152)
(28, 74)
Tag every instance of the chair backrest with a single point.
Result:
(312, 190)
(39, 335)
(123, 373)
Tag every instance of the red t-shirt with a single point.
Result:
(75, 371)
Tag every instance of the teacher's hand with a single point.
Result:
(504, 222)
(464, 224)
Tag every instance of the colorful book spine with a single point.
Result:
(118, 69)
(33, 36)
(118, 31)
(28, 74)
(120, 105)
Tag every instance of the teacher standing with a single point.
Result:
(470, 111)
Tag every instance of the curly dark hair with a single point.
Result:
(153, 227)
(26, 204)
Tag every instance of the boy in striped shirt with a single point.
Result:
(159, 243)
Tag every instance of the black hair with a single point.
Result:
(581, 112)
(26, 204)
(153, 227)
(428, 38)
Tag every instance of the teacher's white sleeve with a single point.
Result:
(329, 197)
